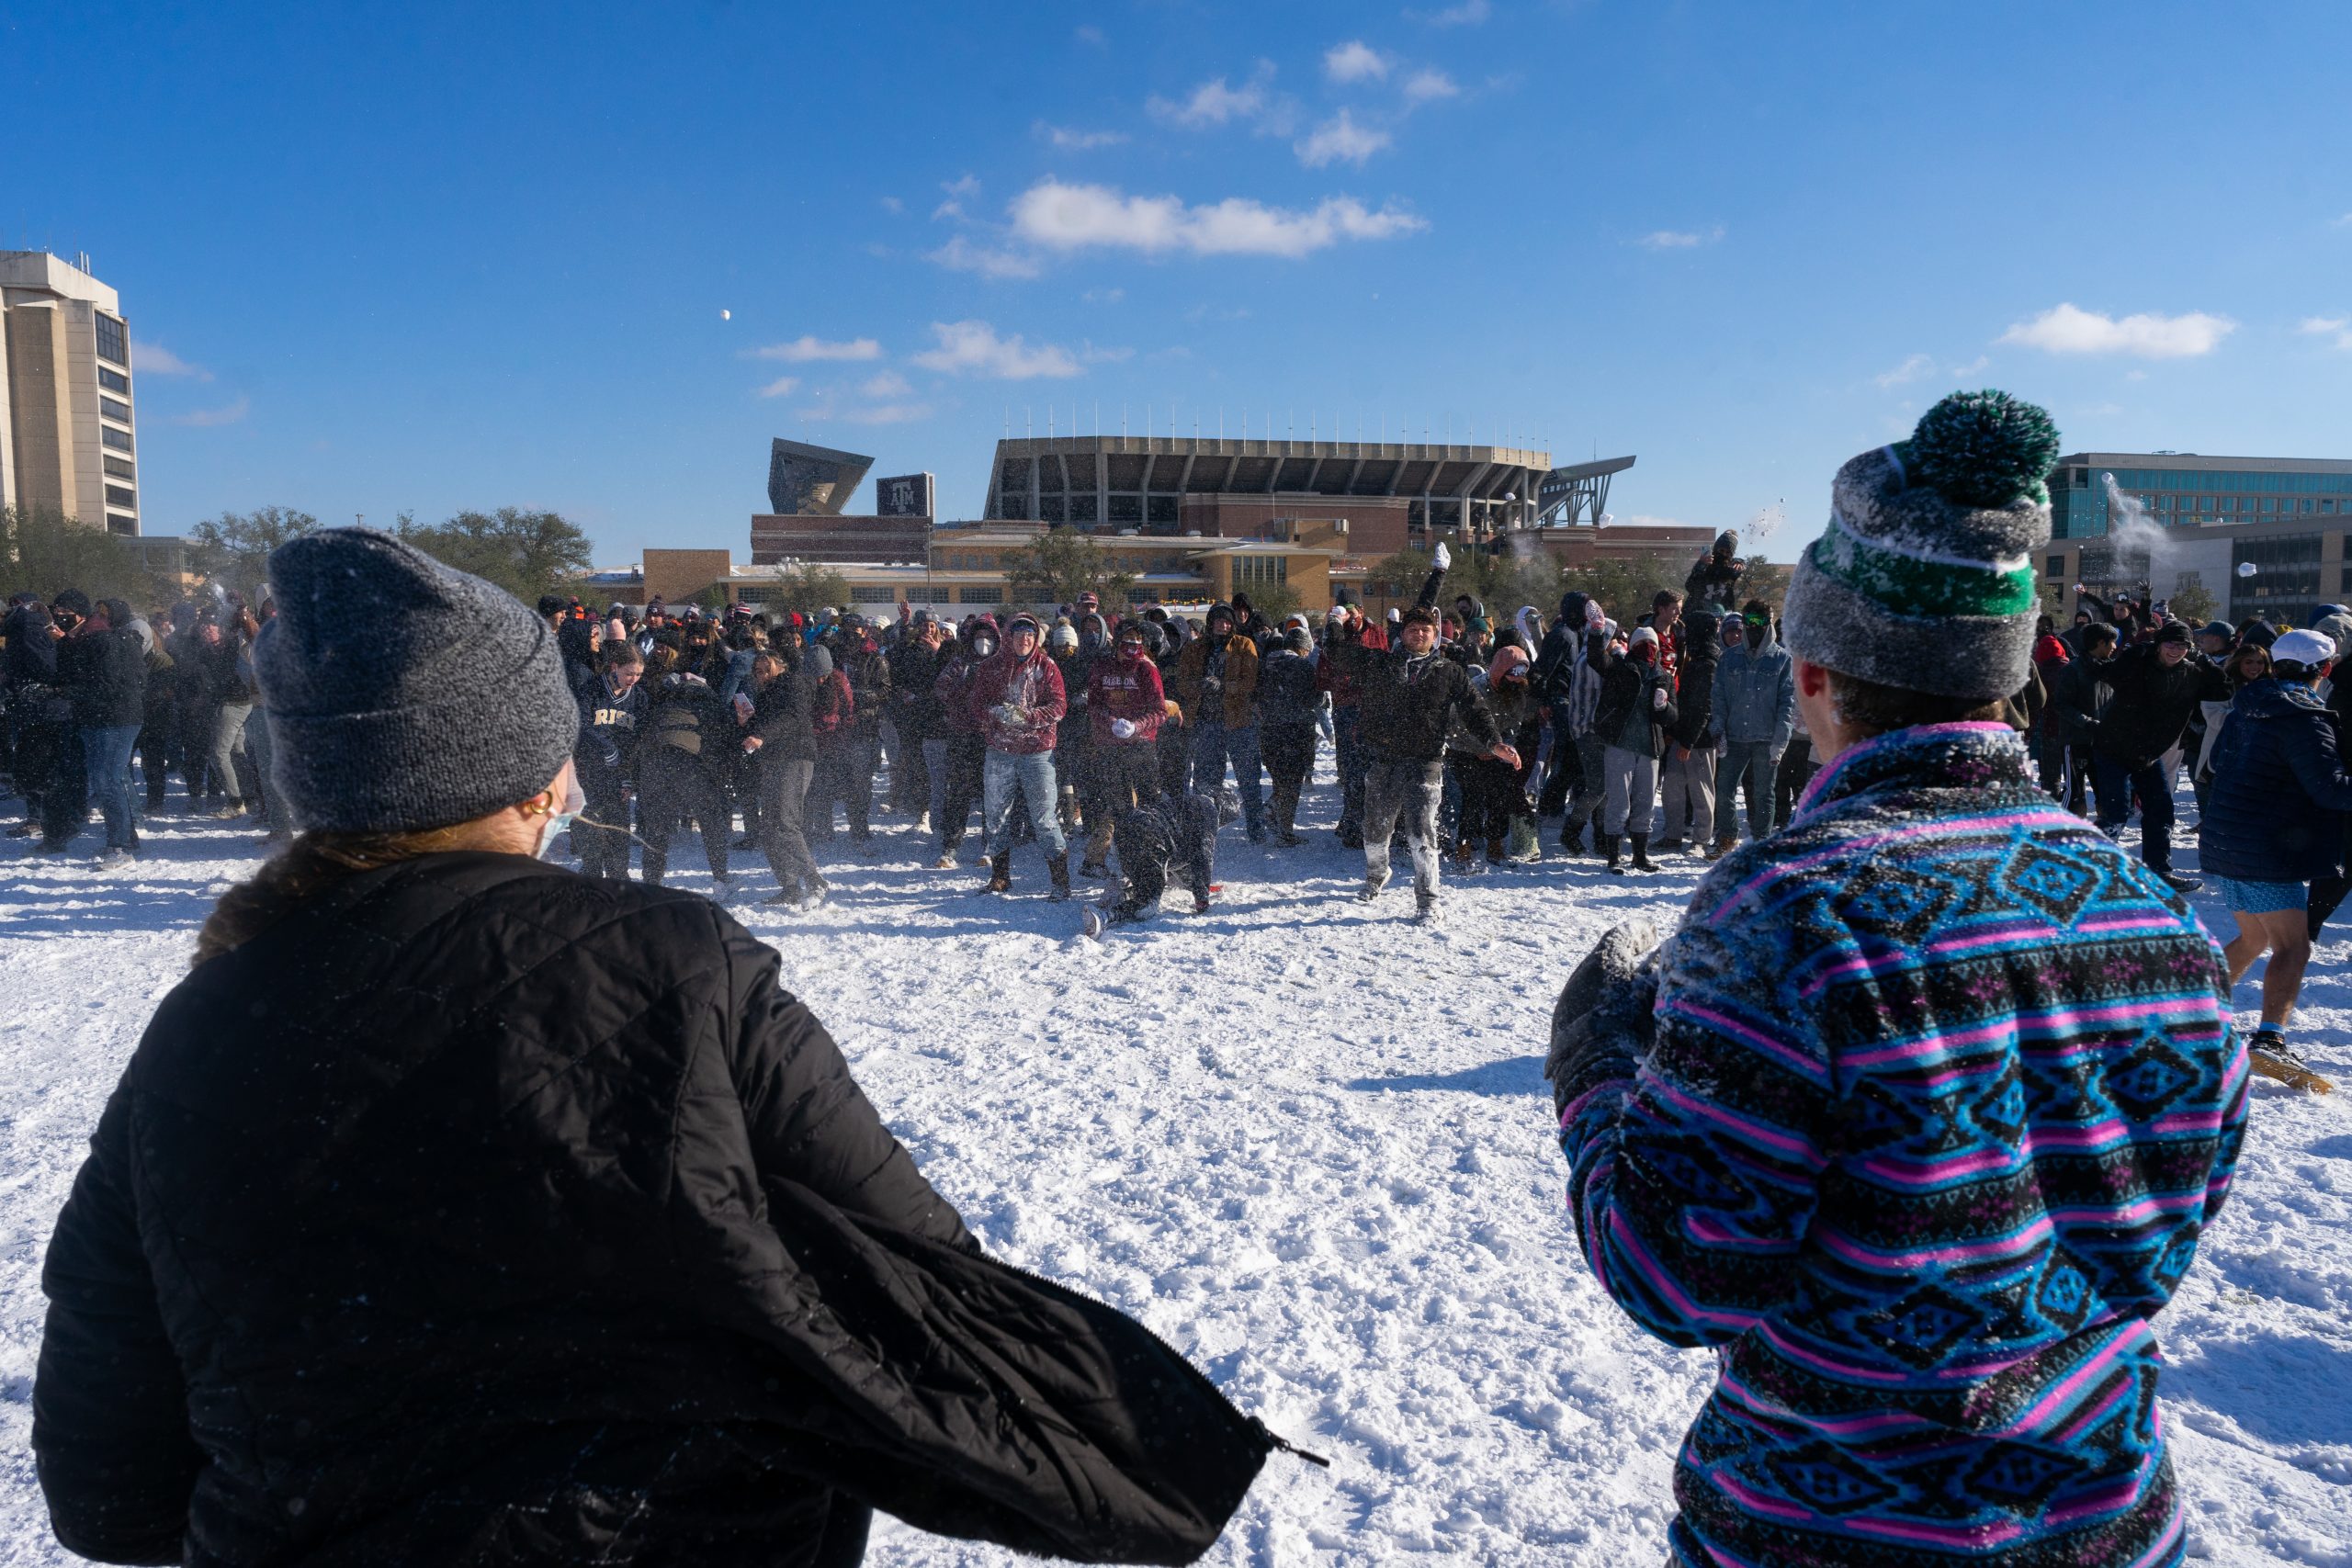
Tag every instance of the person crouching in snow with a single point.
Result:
(1168, 831)
(456, 1208)
(1918, 1117)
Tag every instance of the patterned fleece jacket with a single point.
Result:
(1916, 1120)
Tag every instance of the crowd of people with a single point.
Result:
(493, 1213)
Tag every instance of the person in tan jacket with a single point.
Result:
(1214, 682)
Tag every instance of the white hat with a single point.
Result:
(2308, 648)
(1642, 635)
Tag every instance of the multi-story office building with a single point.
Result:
(2259, 535)
(68, 434)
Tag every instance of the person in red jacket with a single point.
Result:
(1125, 705)
(1016, 701)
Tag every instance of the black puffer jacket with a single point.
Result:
(107, 673)
(2272, 811)
(2152, 702)
(480, 1212)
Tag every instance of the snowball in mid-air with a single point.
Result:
(726, 315)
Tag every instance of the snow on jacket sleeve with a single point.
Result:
(110, 1435)
(1693, 1166)
(2310, 751)
(1784, 706)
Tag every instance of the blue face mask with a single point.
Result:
(557, 822)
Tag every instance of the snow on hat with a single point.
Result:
(403, 695)
(2306, 648)
(1924, 579)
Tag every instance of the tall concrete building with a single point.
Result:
(68, 435)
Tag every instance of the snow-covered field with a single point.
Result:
(1309, 1143)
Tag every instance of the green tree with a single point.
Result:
(1273, 600)
(525, 552)
(232, 549)
(1626, 584)
(45, 552)
(2194, 603)
(1063, 564)
(805, 588)
(1501, 582)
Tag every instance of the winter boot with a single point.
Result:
(1057, 870)
(1374, 881)
(1642, 852)
(1001, 873)
(1495, 853)
(1722, 847)
(1608, 846)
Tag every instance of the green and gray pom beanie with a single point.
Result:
(1924, 579)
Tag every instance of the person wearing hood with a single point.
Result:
(1125, 709)
(919, 762)
(2271, 824)
(1346, 618)
(1494, 791)
(1636, 716)
(1715, 579)
(1557, 660)
(1017, 699)
(457, 1209)
(1288, 701)
(1250, 623)
(1755, 704)
(780, 743)
(1689, 766)
(1214, 682)
(685, 733)
(955, 774)
(103, 667)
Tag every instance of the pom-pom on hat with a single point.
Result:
(1924, 579)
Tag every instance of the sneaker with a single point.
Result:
(1374, 881)
(234, 812)
(923, 823)
(1425, 913)
(945, 862)
(2179, 882)
(1200, 903)
(117, 860)
(23, 830)
(1091, 919)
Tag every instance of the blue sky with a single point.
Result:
(432, 256)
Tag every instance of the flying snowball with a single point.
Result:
(2246, 568)
(726, 315)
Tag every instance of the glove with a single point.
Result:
(1211, 685)
(1440, 557)
(1123, 728)
(1595, 617)
(1658, 698)
(742, 708)
(1334, 616)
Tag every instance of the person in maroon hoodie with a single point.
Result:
(1125, 705)
(1016, 700)
(951, 690)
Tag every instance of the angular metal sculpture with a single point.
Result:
(807, 480)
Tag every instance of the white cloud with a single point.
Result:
(1911, 370)
(1340, 141)
(1355, 60)
(154, 359)
(2342, 222)
(1094, 355)
(1681, 238)
(207, 418)
(2337, 327)
(2067, 329)
(969, 184)
(1073, 141)
(889, 384)
(1468, 14)
(1427, 86)
(960, 255)
(973, 348)
(892, 204)
(1974, 367)
(1215, 103)
(804, 349)
(782, 387)
(1091, 34)
(1079, 217)
(1104, 295)
(888, 413)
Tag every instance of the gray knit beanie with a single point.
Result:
(401, 694)
(1924, 579)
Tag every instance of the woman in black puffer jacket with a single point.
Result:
(457, 1209)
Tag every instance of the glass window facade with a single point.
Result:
(114, 408)
(866, 596)
(118, 439)
(2285, 586)
(114, 341)
(118, 496)
(2079, 497)
(979, 595)
(121, 469)
(114, 380)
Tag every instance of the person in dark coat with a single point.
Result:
(1688, 769)
(457, 1209)
(1125, 707)
(1288, 701)
(2076, 701)
(47, 751)
(1634, 720)
(103, 666)
(1411, 696)
(782, 744)
(956, 783)
(1715, 580)
(2157, 686)
(612, 721)
(2271, 824)
(917, 767)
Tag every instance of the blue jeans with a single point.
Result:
(1213, 745)
(1752, 762)
(1002, 774)
(105, 760)
(2117, 781)
(1347, 747)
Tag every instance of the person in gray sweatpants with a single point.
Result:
(1756, 704)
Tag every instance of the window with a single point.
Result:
(118, 439)
(2327, 506)
(884, 594)
(118, 496)
(113, 408)
(2057, 569)
(117, 524)
(2270, 503)
(114, 343)
(979, 595)
(1144, 595)
(114, 380)
(117, 469)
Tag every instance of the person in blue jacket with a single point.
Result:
(2270, 824)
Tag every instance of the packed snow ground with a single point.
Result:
(1307, 1142)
